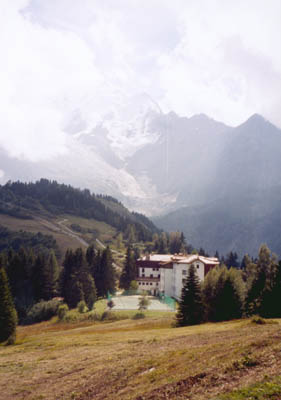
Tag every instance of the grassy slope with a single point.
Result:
(50, 226)
(145, 359)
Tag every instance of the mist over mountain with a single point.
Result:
(220, 185)
(242, 208)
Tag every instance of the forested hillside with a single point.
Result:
(23, 200)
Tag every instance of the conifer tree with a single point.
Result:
(87, 282)
(90, 255)
(108, 273)
(8, 314)
(129, 272)
(262, 281)
(96, 273)
(271, 298)
(38, 277)
(73, 291)
(191, 306)
(51, 277)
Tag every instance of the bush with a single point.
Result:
(82, 307)
(11, 339)
(108, 316)
(256, 319)
(138, 315)
(110, 304)
(62, 311)
(42, 311)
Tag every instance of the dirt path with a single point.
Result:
(60, 227)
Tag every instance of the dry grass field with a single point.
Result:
(143, 360)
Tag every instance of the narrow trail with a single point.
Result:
(60, 227)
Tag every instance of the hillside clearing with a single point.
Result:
(145, 359)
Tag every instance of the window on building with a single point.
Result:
(151, 275)
(157, 269)
(143, 275)
(146, 283)
(184, 272)
(142, 269)
(153, 269)
(157, 284)
(198, 266)
(150, 283)
(158, 275)
(139, 283)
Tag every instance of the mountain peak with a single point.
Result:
(256, 118)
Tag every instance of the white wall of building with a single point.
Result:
(168, 282)
(174, 279)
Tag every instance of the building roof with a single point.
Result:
(166, 259)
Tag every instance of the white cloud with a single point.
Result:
(65, 57)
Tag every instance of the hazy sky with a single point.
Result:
(61, 58)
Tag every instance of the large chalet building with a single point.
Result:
(166, 273)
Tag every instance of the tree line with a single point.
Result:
(228, 294)
(36, 277)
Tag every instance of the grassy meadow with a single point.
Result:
(142, 360)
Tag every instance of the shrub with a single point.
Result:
(139, 315)
(256, 319)
(11, 339)
(62, 311)
(110, 304)
(143, 302)
(108, 316)
(42, 311)
(82, 307)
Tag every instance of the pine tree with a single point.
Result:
(191, 306)
(96, 273)
(223, 294)
(271, 298)
(73, 291)
(90, 255)
(38, 277)
(129, 272)
(8, 314)
(87, 282)
(51, 277)
(108, 273)
(262, 282)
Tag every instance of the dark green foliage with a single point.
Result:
(77, 281)
(42, 311)
(51, 197)
(50, 274)
(17, 239)
(73, 291)
(223, 294)
(139, 315)
(108, 273)
(129, 272)
(62, 311)
(173, 243)
(271, 298)
(228, 302)
(82, 307)
(191, 311)
(231, 260)
(258, 300)
(19, 267)
(8, 315)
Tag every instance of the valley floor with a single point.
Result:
(140, 359)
